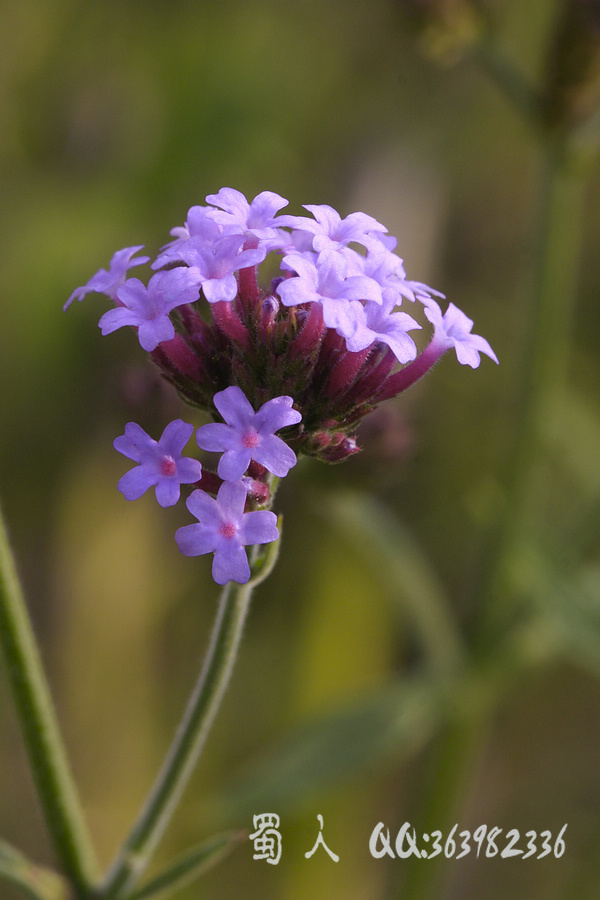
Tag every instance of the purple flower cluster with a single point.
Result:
(359, 293)
(224, 527)
(313, 353)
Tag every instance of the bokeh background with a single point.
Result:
(116, 118)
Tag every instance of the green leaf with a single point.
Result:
(394, 722)
(36, 881)
(191, 865)
(574, 606)
(567, 606)
(408, 575)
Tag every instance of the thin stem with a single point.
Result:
(545, 369)
(39, 726)
(187, 744)
(455, 756)
(494, 61)
(472, 703)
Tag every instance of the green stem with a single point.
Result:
(187, 744)
(544, 374)
(37, 718)
(472, 703)
(542, 384)
(451, 772)
(503, 72)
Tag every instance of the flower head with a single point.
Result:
(225, 529)
(249, 435)
(331, 331)
(161, 464)
(107, 282)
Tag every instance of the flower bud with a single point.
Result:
(444, 27)
(572, 87)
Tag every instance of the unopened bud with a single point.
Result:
(341, 448)
(572, 87)
(445, 28)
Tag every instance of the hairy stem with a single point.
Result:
(187, 744)
(39, 726)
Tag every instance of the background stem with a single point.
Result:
(544, 372)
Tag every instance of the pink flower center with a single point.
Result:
(167, 466)
(228, 529)
(250, 438)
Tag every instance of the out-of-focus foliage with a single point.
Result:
(115, 119)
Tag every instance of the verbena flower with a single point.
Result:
(107, 282)
(326, 282)
(331, 231)
(453, 329)
(331, 332)
(148, 308)
(161, 464)
(377, 322)
(215, 262)
(253, 220)
(225, 529)
(249, 435)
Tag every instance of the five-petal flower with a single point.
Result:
(148, 308)
(225, 529)
(161, 464)
(108, 281)
(249, 435)
(254, 220)
(331, 231)
(453, 329)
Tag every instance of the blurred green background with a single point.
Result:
(116, 118)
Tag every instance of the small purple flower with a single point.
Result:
(384, 267)
(197, 224)
(149, 308)
(225, 529)
(453, 329)
(107, 282)
(249, 435)
(254, 220)
(214, 262)
(331, 231)
(161, 464)
(325, 281)
(375, 322)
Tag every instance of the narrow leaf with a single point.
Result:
(393, 722)
(408, 575)
(191, 865)
(36, 881)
